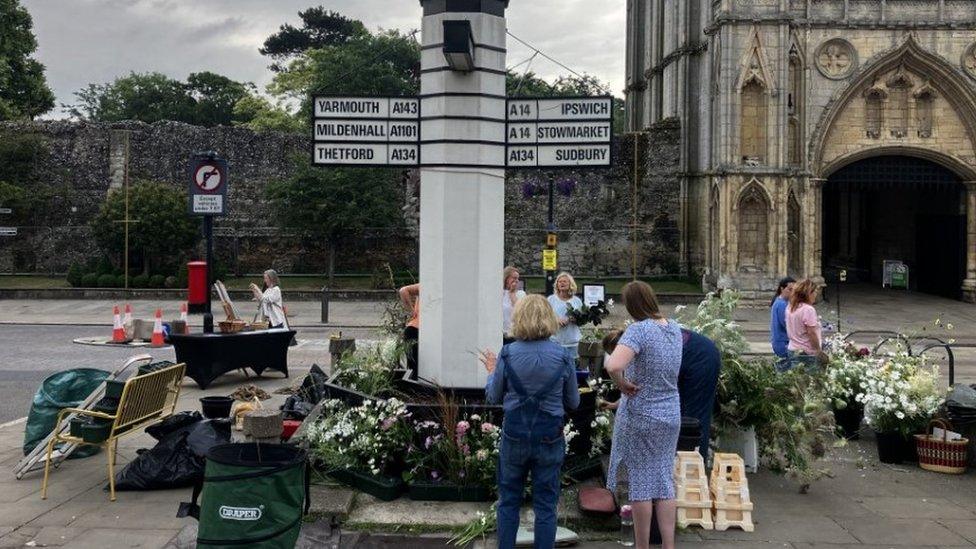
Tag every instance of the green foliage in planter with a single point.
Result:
(157, 281)
(107, 281)
(140, 281)
(76, 275)
(371, 438)
(370, 369)
(90, 280)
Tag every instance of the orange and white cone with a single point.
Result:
(118, 332)
(157, 335)
(186, 323)
(127, 319)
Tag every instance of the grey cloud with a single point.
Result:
(85, 41)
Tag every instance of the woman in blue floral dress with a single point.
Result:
(645, 367)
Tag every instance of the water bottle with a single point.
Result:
(626, 526)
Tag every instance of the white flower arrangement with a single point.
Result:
(900, 393)
(371, 436)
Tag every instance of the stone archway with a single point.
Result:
(909, 103)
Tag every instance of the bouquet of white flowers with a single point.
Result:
(900, 393)
(372, 436)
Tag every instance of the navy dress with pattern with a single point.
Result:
(646, 427)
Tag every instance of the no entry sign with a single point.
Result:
(208, 186)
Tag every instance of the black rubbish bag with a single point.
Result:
(178, 460)
(312, 391)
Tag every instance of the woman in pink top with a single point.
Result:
(803, 325)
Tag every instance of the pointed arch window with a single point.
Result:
(898, 91)
(925, 112)
(873, 112)
(753, 244)
(753, 123)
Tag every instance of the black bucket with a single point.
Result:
(689, 437)
(216, 407)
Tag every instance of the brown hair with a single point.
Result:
(611, 340)
(506, 274)
(803, 292)
(641, 302)
(533, 319)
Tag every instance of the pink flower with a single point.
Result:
(466, 450)
(428, 443)
(487, 427)
(462, 427)
(387, 423)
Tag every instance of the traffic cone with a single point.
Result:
(128, 315)
(118, 332)
(157, 335)
(186, 323)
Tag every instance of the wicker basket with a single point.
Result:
(941, 455)
(259, 325)
(231, 326)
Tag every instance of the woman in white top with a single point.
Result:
(511, 294)
(272, 307)
(569, 334)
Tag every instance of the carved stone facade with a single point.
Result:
(782, 102)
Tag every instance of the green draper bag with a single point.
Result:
(252, 495)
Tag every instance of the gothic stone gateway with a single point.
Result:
(816, 133)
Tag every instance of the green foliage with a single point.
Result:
(140, 281)
(76, 274)
(206, 99)
(258, 114)
(104, 266)
(320, 29)
(120, 281)
(24, 93)
(90, 280)
(387, 63)
(22, 185)
(527, 84)
(370, 369)
(164, 232)
(108, 281)
(157, 281)
(170, 282)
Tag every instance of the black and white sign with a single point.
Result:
(366, 131)
(8, 231)
(208, 186)
(6, 211)
(593, 294)
(559, 132)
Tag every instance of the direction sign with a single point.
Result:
(559, 132)
(6, 211)
(8, 231)
(366, 131)
(208, 186)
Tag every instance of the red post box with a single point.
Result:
(197, 281)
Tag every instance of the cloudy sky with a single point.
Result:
(84, 41)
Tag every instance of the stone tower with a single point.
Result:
(816, 135)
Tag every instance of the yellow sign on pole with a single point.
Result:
(548, 260)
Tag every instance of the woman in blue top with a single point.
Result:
(777, 317)
(645, 366)
(534, 378)
(569, 334)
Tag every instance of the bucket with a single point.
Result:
(252, 495)
(215, 407)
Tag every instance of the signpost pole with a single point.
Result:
(208, 234)
(550, 237)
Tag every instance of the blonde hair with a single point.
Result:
(533, 319)
(804, 291)
(572, 281)
(506, 274)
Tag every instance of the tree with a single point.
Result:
(336, 205)
(216, 96)
(164, 231)
(320, 29)
(23, 89)
(383, 64)
(258, 114)
(206, 98)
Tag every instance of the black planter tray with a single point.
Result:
(424, 491)
(379, 486)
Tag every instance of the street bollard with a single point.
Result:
(325, 305)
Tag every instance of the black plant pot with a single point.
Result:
(849, 420)
(891, 446)
(214, 407)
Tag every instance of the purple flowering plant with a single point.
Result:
(463, 452)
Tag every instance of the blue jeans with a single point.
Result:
(810, 363)
(518, 456)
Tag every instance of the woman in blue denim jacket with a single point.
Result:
(534, 379)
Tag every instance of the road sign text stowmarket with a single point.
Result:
(366, 131)
(562, 132)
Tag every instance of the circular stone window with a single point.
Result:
(836, 58)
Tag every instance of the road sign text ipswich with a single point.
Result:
(208, 186)
(547, 132)
(366, 131)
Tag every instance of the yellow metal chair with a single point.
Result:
(146, 399)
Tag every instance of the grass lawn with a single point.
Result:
(353, 282)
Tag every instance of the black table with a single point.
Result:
(208, 356)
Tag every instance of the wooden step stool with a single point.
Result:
(692, 492)
(730, 492)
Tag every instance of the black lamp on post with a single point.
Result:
(459, 45)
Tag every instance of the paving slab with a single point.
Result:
(375, 515)
(901, 532)
(102, 538)
(916, 507)
(331, 501)
(965, 528)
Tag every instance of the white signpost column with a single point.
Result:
(462, 204)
